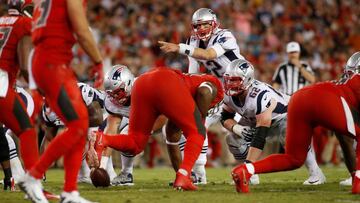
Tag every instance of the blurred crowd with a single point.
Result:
(128, 30)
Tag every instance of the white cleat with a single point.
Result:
(346, 182)
(84, 179)
(254, 179)
(33, 188)
(317, 178)
(72, 197)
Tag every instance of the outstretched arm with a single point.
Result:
(198, 53)
(263, 123)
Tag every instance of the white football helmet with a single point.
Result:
(238, 77)
(118, 84)
(352, 65)
(204, 16)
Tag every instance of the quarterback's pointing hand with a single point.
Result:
(168, 47)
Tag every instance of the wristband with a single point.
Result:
(186, 49)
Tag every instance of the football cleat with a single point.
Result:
(32, 188)
(50, 196)
(183, 182)
(123, 179)
(72, 197)
(9, 183)
(84, 179)
(346, 182)
(317, 178)
(198, 180)
(241, 177)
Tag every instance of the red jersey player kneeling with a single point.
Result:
(332, 105)
(164, 91)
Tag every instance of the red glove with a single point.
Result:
(98, 74)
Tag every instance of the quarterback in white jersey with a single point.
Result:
(215, 48)
(263, 112)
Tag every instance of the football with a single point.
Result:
(99, 177)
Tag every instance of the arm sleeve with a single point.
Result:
(193, 65)
(224, 42)
(308, 68)
(262, 102)
(276, 76)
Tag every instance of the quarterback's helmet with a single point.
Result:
(118, 84)
(238, 77)
(204, 16)
(352, 65)
(17, 7)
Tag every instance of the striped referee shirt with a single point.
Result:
(290, 78)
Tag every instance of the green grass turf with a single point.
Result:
(151, 185)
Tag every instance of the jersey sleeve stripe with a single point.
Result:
(230, 55)
(258, 102)
(215, 40)
(280, 108)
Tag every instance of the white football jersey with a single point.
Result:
(88, 93)
(115, 109)
(225, 45)
(257, 101)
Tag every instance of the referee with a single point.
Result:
(293, 74)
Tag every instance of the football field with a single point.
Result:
(151, 185)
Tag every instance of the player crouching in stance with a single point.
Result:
(168, 92)
(333, 106)
(263, 113)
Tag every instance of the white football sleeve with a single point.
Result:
(193, 65)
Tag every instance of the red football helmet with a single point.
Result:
(17, 7)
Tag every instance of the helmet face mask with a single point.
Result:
(20, 7)
(234, 85)
(238, 77)
(118, 84)
(352, 65)
(204, 23)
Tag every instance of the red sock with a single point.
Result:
(72, 164)
(277, 162)
(125, 143)
(29, 148)
(193, 146)
(58, 147)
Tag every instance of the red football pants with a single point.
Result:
(14, 116)
(305, 112)
(161, 92)
(58, 83)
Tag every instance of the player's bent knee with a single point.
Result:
(297, 162)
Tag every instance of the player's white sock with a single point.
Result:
(84, 170)
(104, 162)
(16, 168)
(110, 168)
(311, 163)
(199, 166)
(127, 163)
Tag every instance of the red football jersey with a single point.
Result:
(193, 81)
(12, 29)
(51, 28)
(351, 91)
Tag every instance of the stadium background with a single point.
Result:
(127, 32)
